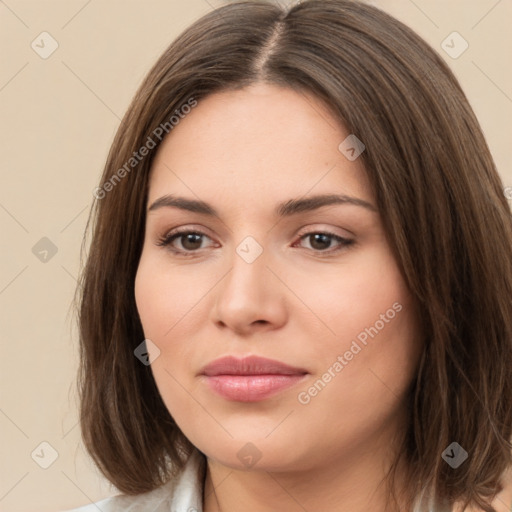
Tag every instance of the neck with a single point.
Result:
(348, 482)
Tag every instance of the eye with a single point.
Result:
(320, 241)
(190, 241)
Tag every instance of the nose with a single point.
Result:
(250, 298)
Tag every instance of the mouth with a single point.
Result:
(250, 379)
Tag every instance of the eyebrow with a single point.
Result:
(285, 209)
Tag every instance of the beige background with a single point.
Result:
(59, 116)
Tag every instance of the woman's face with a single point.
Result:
(272, 273)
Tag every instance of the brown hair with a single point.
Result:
(440, 198)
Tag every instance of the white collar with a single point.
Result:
(184, 493)
(187, 495)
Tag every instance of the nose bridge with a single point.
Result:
(248, 275)
(249, 293)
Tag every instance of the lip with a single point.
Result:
(250, 379)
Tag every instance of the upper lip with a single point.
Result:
(251, 365)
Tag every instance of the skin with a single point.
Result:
(244, 152)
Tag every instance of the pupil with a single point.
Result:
(191, 241)
(322, 238)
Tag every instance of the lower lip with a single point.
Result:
(251, 388)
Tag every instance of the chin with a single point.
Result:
(257, 455)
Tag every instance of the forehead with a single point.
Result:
(260, 142)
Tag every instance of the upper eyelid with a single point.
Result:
(184, 231)
(328, 231)
(200, 231)
(203, 230)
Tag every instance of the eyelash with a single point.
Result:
(167, 240)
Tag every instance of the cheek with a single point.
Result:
(166, 321)
(150, 299)
(352, 297)
(165, 295)
(173, 306)
(371, 311)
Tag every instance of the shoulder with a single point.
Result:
(153, 501)
(184, 492)
(503, 500)
(124, 503)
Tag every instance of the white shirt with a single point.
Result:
(181, 494)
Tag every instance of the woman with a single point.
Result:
(298, 290)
